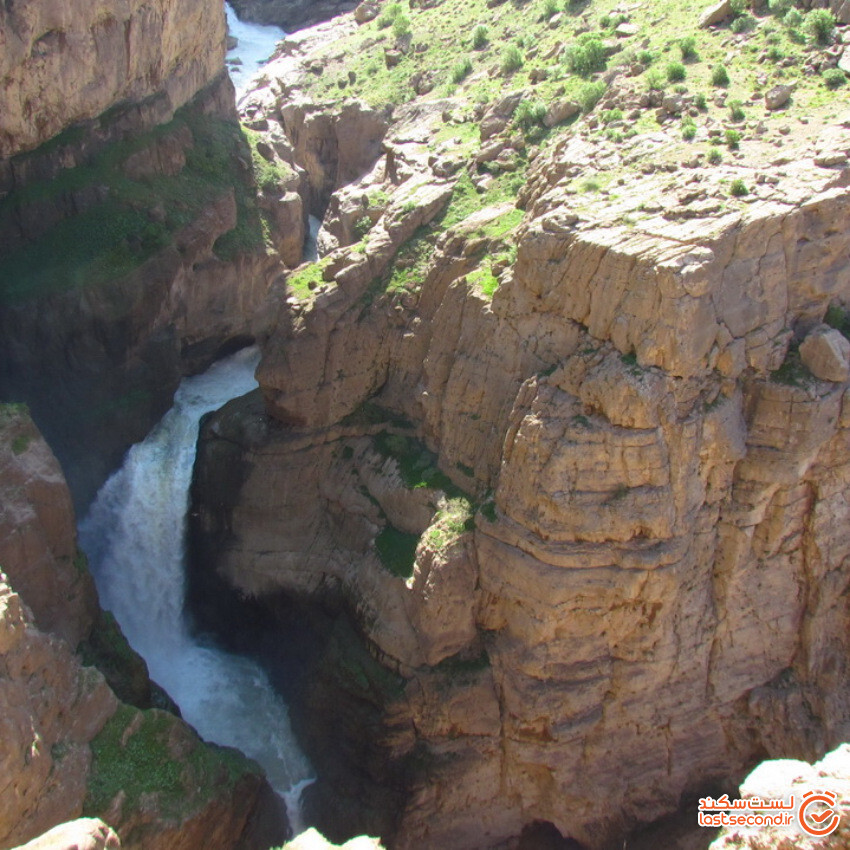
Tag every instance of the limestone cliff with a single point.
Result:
(62, 63)
(68, 746)
(134, 241)
(570, 466)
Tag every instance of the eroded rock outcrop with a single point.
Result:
(562, 466)
(103, 326)
(63, 63)
(68, 746)
(656, 525)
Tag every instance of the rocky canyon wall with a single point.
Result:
(62, 63)
(134, 249)
(69, 746)
(611, 454)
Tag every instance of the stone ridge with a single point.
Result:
(625, 584)
(65, 62)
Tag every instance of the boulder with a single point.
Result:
(82, 834)
(716, 13)
(496, 118)
(841, 10)
(366, 11)
(777, 97)
(826, 354)
(560, 111)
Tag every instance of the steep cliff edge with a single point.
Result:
(62, 63)
(136, 242)
(68, 746)
(568, 465)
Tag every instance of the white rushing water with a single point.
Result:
(256, 43)
(135, 535)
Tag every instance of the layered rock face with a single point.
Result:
(629, 577)
(63, 63)
(68, 746)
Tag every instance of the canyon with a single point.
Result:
(542, 498)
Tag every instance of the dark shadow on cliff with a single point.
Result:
(119, 239)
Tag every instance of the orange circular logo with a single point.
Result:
(817, 813)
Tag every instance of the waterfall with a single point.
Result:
(255, 44)
(135, 537)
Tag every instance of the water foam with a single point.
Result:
(135, 538)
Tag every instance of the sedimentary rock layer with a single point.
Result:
(65, 62)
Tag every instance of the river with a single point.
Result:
(135, 538)
(256, 43)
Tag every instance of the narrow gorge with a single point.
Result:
(537, 519)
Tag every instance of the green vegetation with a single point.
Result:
(839, 318)
(736, 111)
(738, 188)
(20, 444)
(412, 262)
(720, 76)
(675, 72)
(137, 753)
(549, 9)
(81, 562)
(733, 139)
(416, 464)
(401, 26)
(655, 80)
(461, 70)
(488, 510)
(392, 11)
(554, 62)
(125, 221)
(587, 55)
(792, 372)
(820, 25)
(455, 517)
(529, 117)
(743, 23)
(397, 550)
(590, 95)
(307, 278)
(688, 48)
(689, 129)
(267, 175)
(484, 279)
(714, 156)
(460, 664)
(480, 39)
(107, 649)
(511, 59)
(779, 7)
(834, 78)
(793, 19)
